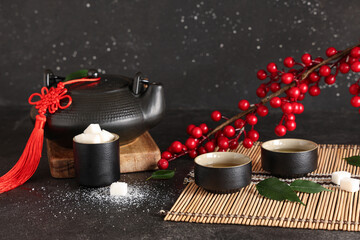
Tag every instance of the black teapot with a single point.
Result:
(125, 106)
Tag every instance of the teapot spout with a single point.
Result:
(153, 104)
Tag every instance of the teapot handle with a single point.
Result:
(138, 83)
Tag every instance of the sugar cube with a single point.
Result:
(81, 138)
(93, 128)
(337, 176)
(106, 136)
(87, 138)
(349, 184)
(118, 189)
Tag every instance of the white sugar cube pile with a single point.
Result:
(337, 176)
(345, 181)
(118, 189)
(94, 134)
(350, 184)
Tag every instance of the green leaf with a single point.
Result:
(162, 174)
(275, 189)
(76, 75)
(307, 186)
(354, 160)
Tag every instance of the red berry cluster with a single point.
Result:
(300, 86)
(300, 78)
(199, 143)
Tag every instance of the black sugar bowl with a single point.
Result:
(97, 164)
(125, 106)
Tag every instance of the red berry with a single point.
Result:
(190, 143)
(184, 148)
(275, 102)
(201, 150)
(306, 59)
(355, 52)
(216, 116)
(251, 119)
(261, 92)
(287, 108)
(204, 128)
(295, 107)
(190, 128)
(261, 74)
(330, 51)
(262, 111)
(280, 130)
(325, 70)
(314, 77)
(301, 97)
(274, 87)
(318, 59)
(355, 67)
(166, 155)
(223, 142)
(221, 150)
(196, 132)
(330, 79)
(209, 146)
(354, 89)
(193, 153)
(290, 117)
(233, 144)
(239, 123)
(294, 92)
(176, 146)
(287, 78)
(351, 60)
(247, 143)
(229, 131)
(303, 87)
(271, 67)
(163, 164)
(243, 105)
(301, 108)
(314, 91)
(253, 135)
(344, 68)
(355, 101)
(290, 125)
(289, 62)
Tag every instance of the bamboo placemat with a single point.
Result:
(337, 210)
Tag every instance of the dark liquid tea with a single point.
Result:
(290, 150)
(223, 165)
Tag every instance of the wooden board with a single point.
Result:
(140, 155)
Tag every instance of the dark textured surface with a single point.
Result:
(47, 208)
(209, 47)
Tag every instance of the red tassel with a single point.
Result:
(30, 158)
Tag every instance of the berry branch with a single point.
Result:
(283, 89)
(296, 82)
